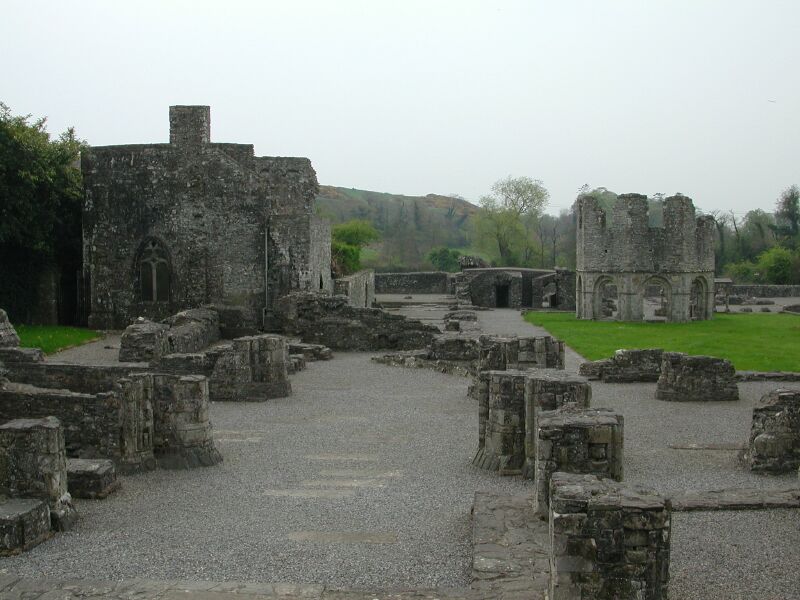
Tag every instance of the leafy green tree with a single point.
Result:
(444, 259)
(775, 266)
(347, 241)
(787, 217)
(507, 218)
(40, 209)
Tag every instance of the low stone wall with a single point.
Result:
(111, 424)
(577, 440)
(687, 378)
(422, 282)
(774, 445)
(24, 523)
(251, 368)
(329, 320)
(358, 287)
(187, 331)
(33, 464)
(766, 291)
(626, 366)
(607, 540)
(469, 355)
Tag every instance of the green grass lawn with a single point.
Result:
(52, 338)
(752, 342)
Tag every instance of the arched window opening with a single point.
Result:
(154, 273)
(697, 300)
(606, 300)
(656, 300)
(321, 283)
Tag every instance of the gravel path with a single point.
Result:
(361, 478)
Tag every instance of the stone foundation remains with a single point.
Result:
(358, 287)
(115, 425)
(33, 464)
(331, 321)
(469, 355)
(775, 435)
(508, 406)
(608, 541)
(626, 366)
(577, 440)
(687, 378)
(92, 479)
(24, 523)
(423, 282)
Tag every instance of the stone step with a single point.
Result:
(91, 478)
(24, 523)
(737, 499)
(510, 548)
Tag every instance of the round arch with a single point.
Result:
(656, 308)
(605, 302)
(153, 271)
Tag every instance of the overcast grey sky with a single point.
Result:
(413, 97)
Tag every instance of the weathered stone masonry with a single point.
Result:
(178, 225)
(632, 256)
(775, 435)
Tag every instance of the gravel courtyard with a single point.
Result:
(362, 478)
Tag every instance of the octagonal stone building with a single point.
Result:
(628, 270)
(173, 226)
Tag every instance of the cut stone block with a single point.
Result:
(92, 479)
(24, 523)
(687, 378)
(775, 434)
(8, 335)
(33, 464)
(575, 440)
(607, 540)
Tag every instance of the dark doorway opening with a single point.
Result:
(501, 295)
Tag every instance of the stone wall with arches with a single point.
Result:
(628, 270)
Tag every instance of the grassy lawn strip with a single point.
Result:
(52, 338)
(752, 342)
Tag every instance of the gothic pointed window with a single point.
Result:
(154, 272)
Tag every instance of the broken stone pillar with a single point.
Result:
(575, 440)
(549, 389)
(503, 412)
(182, 436)
(607, 540)
(144, 341)
(775, 434)
(33, 464)
(686, 378)
(8, 335)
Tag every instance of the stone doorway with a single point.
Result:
(501, 295)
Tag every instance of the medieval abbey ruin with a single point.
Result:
(193, 222)
(630, 271)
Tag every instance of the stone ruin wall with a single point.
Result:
(422, 282)
(622, 249)
(206, 207)
(358, 287)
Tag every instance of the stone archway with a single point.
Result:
(656, 298)
(605, 299)
(698, 300)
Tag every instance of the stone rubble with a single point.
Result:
(686, 378)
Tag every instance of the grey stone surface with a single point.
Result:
(555, 290)
(774, 444)
(173, 226)
(622, 250)
(736, 499)
(510, 548)
(143, 341)
(33, 464)
(8, 335)
(686, 378)
(91, 478)
(311, 352)
(609, 541)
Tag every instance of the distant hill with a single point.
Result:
(410, 225)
